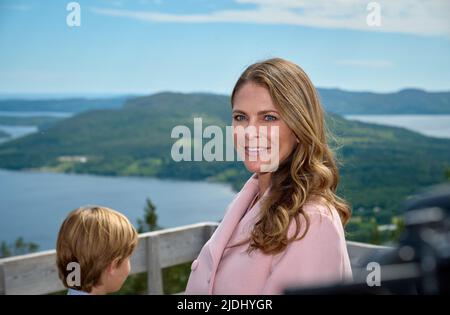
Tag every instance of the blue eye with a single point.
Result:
(270, 118)
(239, 117)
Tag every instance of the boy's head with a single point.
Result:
(101, 241)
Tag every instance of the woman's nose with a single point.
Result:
(251, 131)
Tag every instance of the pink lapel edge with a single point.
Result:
(224, 231)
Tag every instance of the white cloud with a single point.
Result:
(419, 17)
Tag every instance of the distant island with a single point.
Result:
(408, 101)
(4, 134)
(70, 105)
(39, 121)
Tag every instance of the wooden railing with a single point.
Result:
(37, 273)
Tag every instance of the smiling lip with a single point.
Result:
(253, 150)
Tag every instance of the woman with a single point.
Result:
(285, 227)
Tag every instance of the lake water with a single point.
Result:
(33, 204)
(20, 131)
(17, 131)
(429, 125)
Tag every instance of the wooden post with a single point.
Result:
(154, 273)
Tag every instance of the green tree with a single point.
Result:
(174, 278)
(399, 222)
(150, 221)
(5, 250)
(18, 247)
(137, 284)
(375, 235)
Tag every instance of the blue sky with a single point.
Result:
(142, 47)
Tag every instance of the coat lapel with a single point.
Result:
(233, 215)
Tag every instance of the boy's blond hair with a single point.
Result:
(93, 237)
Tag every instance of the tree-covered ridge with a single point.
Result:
(41, 122)
(408, 101)
(379, 165)
(69, 105)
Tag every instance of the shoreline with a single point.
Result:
(51, 170)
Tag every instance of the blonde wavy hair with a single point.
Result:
(309, 171)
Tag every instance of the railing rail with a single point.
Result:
(37, 273)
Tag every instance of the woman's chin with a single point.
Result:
(260, 167)
(253, 167)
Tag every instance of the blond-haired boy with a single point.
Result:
(99, 242)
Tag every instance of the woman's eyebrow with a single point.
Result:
(267, 111)
(262, 112)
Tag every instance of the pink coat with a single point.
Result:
(320, 257)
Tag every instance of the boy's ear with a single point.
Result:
(113, 266)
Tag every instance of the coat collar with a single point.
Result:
(233, 215)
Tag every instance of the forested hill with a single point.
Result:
(409, 101)
(380, 165)
(69, 105)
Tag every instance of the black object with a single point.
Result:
(420, 263)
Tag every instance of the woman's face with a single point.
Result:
(254, 110)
